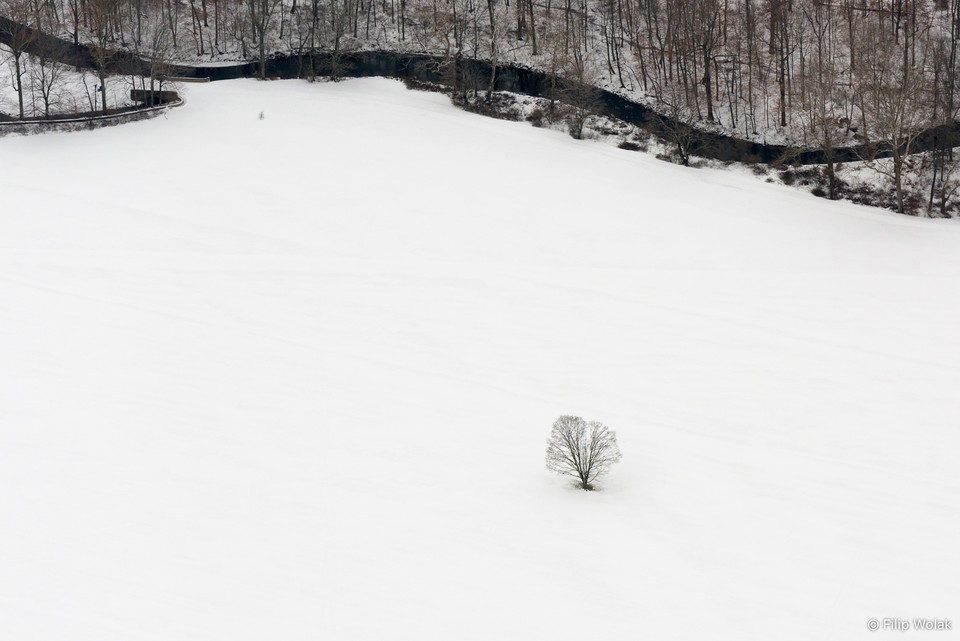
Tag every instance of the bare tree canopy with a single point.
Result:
(581, 449)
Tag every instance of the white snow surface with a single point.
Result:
(292, 379)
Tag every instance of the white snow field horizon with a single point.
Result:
(292, 379)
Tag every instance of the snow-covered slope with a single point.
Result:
(292, 378)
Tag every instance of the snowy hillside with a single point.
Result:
(292, 379)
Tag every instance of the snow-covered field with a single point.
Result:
(292, 378)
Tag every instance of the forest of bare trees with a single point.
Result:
(810, 73)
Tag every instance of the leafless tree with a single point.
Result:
(19, 42)
(578, 89)
(156, 53)
(897, 104)
(261, 15)
(340, 14)
(46, 72)
(103, 19)
(496, 33)
(300, 37)
(676, 118)
(581, 449)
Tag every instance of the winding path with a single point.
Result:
(426, 68)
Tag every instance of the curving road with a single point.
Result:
(426, 68)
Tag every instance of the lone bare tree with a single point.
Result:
(581, 449)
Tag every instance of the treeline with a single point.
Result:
(814, 73)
